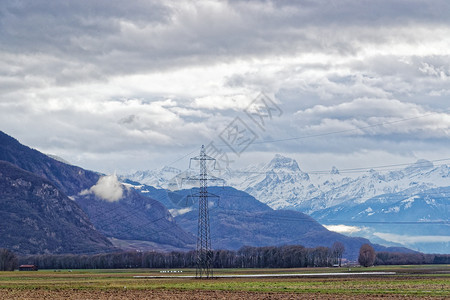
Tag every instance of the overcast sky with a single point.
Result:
(128, 85)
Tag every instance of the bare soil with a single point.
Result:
(176, 294)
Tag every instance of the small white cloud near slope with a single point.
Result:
(342, 228)
(107, 188)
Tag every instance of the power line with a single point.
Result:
(347, 130)
(268, 216)
(263, 216)
(348, 170)
(180, 158)
(386, 166)
(258, 214)
(331, 133)
(323, 134)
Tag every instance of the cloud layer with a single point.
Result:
(135, 85)
(412, 239)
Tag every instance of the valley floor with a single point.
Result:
(182, 295)
(410, 282)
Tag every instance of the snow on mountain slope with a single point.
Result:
(376, 204)
(281, 183)
(419, 221)
(339, 199)
(413, 179)
(158, 178)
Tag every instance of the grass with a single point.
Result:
(415, 281)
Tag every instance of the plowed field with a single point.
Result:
(421, 282)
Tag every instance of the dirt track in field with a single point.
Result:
(14, 294)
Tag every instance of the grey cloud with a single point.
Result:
(62, 65)
(394, 117)
(128, 119)
(339, 12)
(407, 76)
(69, 40)
(105, 37)
(390, 126)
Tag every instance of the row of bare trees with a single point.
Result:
(396, 258)
(246, 257)
(8, 260)
(368, 257)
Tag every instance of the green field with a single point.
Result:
(409, 281)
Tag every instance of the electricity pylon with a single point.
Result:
(203, 251)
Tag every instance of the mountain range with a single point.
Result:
(118, 216)
(357, 202)
(131, 215)
(237, 219)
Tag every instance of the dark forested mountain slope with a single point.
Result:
(131, 217)
(136, 218)
(238, 219)
(36, 217)
(69, 179)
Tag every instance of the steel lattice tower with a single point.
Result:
(203, 252)
(204, 255)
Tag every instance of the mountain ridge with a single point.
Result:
(238, 220)
(282, 184)
(68, 178)
(36, 217)
(94, 191)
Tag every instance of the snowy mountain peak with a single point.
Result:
(334, 170)
(158, 178)
(420, 165)
(418, 191)
(172, 170)
(282, 185)
(283, 162)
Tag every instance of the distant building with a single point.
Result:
(28, 268)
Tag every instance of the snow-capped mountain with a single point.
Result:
(419, 221)
(281, 184)
(159, 178)
(362, 202)
(408, 206)
(422, 175)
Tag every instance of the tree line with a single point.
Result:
(396, 258)
(293, 256)
(368, 257)
(8, 260)
(246, 257)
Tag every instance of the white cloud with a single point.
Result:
(219, 102)
(179, 212)
(107, 188)
(413, 239)
(343, 228)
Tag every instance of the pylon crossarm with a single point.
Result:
(209, 195)
(198, 177)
